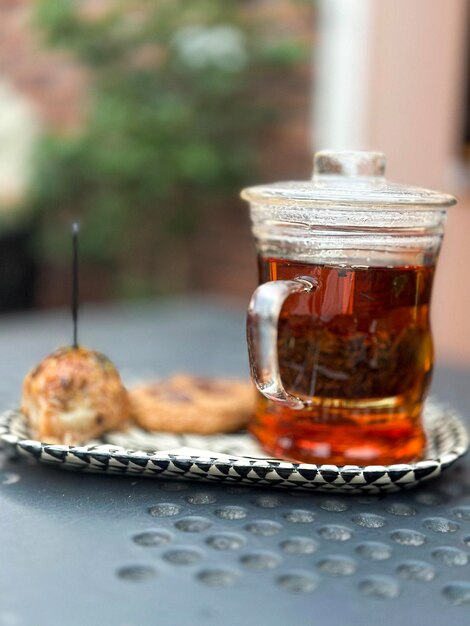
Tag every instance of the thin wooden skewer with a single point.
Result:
(75, 286)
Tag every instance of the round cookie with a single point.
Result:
(192, 404)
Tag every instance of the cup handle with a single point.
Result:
(262, 331)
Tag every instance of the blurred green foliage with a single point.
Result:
(171, 124)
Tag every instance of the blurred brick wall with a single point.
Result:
(285, 150)
(223, 248)
(51, 80)
(221, 255)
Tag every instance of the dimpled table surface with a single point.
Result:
(86, 549)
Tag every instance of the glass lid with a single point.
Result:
(347, 178)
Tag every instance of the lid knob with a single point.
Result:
(349, 163)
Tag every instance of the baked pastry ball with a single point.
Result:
(74, 394)
(193, 404)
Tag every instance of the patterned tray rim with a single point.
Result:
(96, 457)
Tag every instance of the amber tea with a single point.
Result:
(359, 348)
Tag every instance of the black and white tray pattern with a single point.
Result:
(237, 458)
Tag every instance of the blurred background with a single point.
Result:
(144, 118)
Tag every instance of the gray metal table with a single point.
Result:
(88, 550)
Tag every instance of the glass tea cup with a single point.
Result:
(338, 331)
